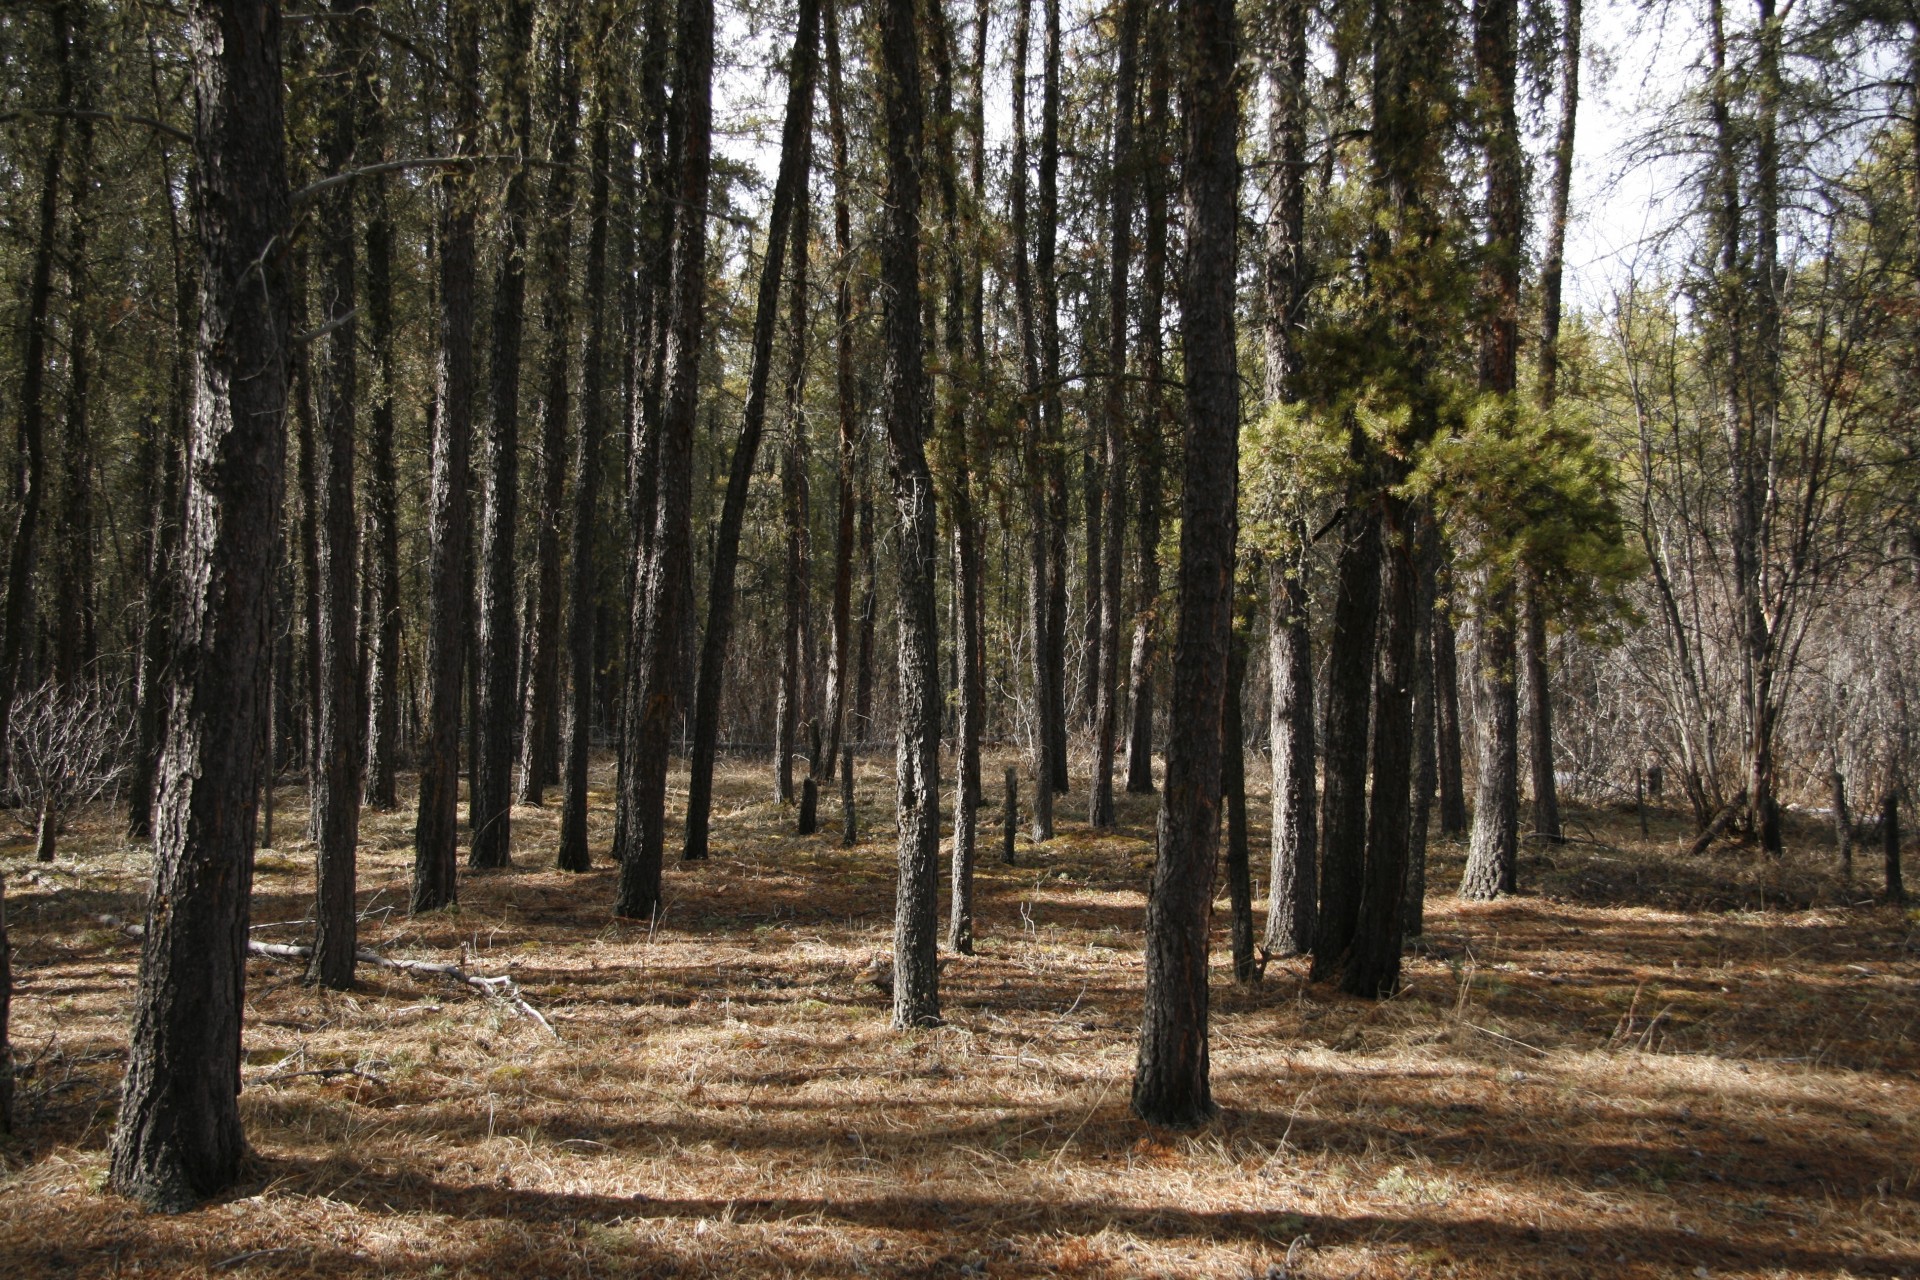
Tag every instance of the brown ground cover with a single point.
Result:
(1644, 1066)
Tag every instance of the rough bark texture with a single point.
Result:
(6, 1006)
(664, 577)
(75, 643)
(540, 695)
(1293, 882)
(1425, 758)
(1343, 797)
(178, 1138)
(788, 191)
(1170, 1084)
(1492, 859)
(336, 793)
(490, 797)
(916, 998)
(1446, 709)
(840, 639)
(793, 710)
(1052, 412)
(437, 830)
(1546, 794)
(581, 611)
(382, 580)
(1106, 709)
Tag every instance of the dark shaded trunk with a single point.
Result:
(178, 1138)
(1106, 709)
(1446, 709)
(1170, 1084)
(490, 794)
(382, 580)
(1546, 795)
(1343, 797)
(1052, 412)
(75, 641)
(1842, 822)
(789, 190)
(1151, 438)
(1293, 883)
(916, 997)
(30, 475)
(1425, 757)
(1372, 968)
(437, 830)
(849, 818)
(1233, 780)
(540, 720)
(581, 594)
(307, 476)
(793, 711)
(663, 581)
(1032, 451)
(6, 1010)
(336, 795)
(840, 641)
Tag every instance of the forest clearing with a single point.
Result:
(1646, 1065)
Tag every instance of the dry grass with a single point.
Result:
(1644, 1067)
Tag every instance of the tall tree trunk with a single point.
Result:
(382, 555)
(1425, 760)
(581, 594)
(6, 1009)
(1170, 1084)
(1492, 860)
(793, 713)
(1052, 411)
(178, 1138)
(336, 798)
(75, 643)
(1233, 778)
(840, 642)
(1106, 714)
(490, 800)
(541, 682)
(1546, 799)
(1151, 438)
(437, 830)
(1293, 884)
(1446, 707)
(653, 673)
(1034, 449)
(789, 190)
(30, 475)
(1343, 797)
(916, 996)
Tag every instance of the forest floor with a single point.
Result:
(1644, 1065)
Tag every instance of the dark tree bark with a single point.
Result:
(75, 642)
(788, 192)
(653, 675)
(30, 477)
(573, 855)
(306, 440)
(178, 1138)
(6, 1009)
(382, 580)
(1546, 795)
(540, 719)
(1052, 411)
(1033, 452)
(916, 996)
(840, 641)
(1170, 1084)
(1106, 709)
(490, 798)
(1425, 758)
(437, 830)
(793, 709)
(1446, 708)
(1233, 771)
(336, 795)
(1372, 968)
(1151, 438)
(1293, 883)
(1343, 797)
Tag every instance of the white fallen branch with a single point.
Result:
(502, 988)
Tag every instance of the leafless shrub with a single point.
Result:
(67, 745)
